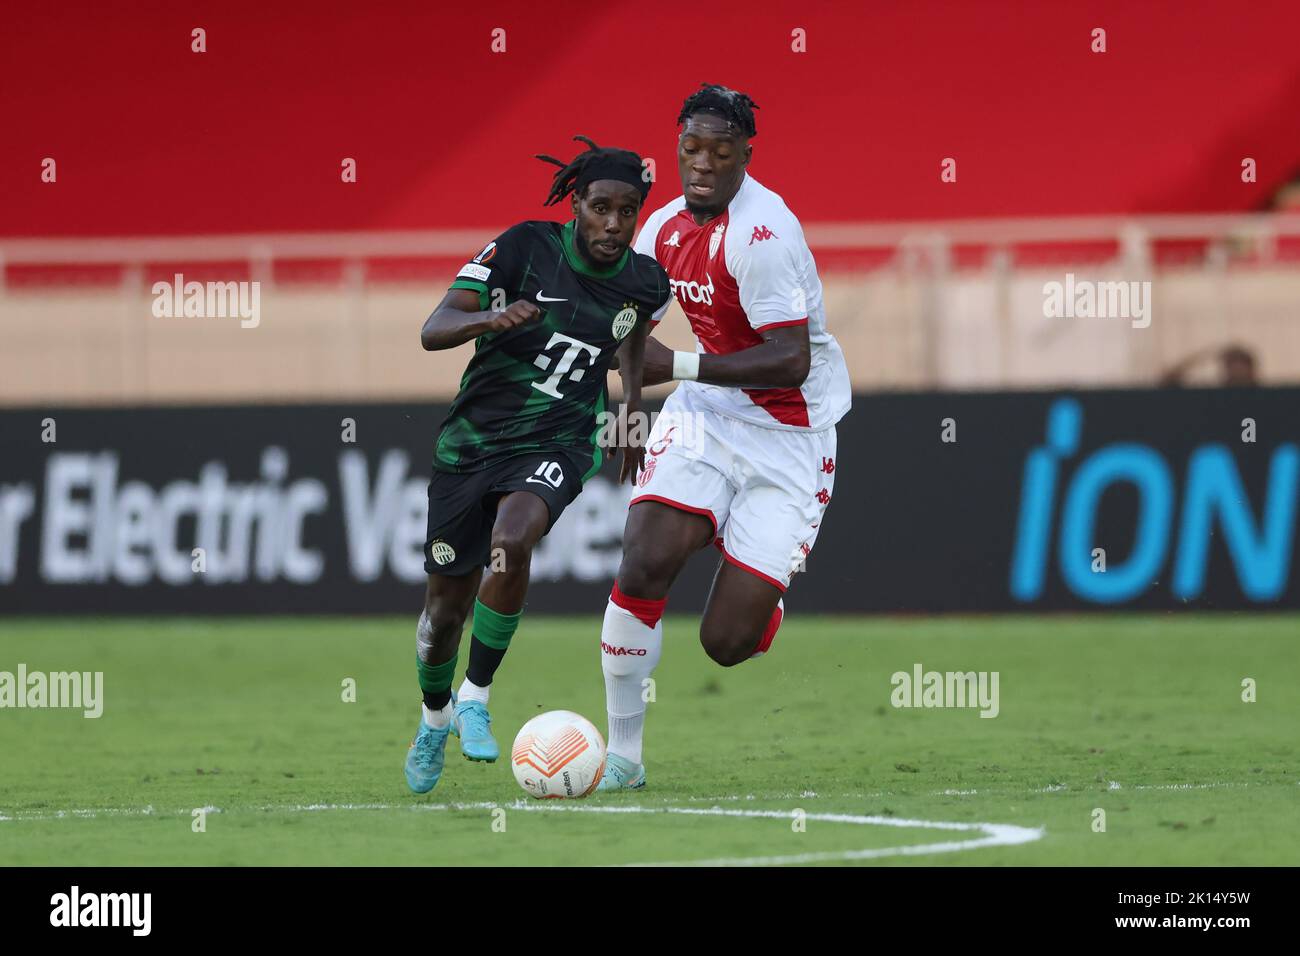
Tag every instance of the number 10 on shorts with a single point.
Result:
(548, 473)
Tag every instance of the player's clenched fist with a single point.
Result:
(515, 314)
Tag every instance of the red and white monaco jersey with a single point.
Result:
(750, 269)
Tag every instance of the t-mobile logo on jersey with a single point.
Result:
(571, 352)
(693, 291)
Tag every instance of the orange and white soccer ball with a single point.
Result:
(558, 754)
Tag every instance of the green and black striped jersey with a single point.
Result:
(542, 386)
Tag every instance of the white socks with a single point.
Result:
(629, 653)
(471, 691)
(437, 719)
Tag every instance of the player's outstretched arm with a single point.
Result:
(458, 319)
(631, 365)
(781, 360)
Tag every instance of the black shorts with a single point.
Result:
(463, 507)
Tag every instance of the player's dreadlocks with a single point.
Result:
(597, 162)
(732, 105)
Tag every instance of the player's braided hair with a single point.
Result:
(596, 162)
(567, 177)
(732, 105)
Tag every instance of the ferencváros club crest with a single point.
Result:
(624, 322)
(442, 552)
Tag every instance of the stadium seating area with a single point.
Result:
(922, 317)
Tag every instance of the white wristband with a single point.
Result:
(686, 366)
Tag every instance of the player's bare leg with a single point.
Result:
(657, 542)
(521, 521)
(447, 601)
(741, 616)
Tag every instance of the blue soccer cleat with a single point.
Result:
(621, 774)
(471, 722)
(425, 758)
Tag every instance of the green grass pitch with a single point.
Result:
(1139, 716)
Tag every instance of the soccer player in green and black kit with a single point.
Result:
(521, 436)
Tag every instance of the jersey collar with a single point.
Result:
(580, 265)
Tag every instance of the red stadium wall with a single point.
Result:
(151, 138)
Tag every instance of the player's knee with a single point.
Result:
(512, 549)
(727, 645)
(441, 621)
(645, 571)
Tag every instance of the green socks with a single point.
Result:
(493, 628)
(435, 681)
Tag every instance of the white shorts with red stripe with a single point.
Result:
(765, 489)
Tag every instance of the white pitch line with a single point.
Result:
(1184, 786)
(997, 835)
(87, 814)
(994, 834)
(92, 813)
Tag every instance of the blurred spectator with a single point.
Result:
(1236, 366)
(1287, 197)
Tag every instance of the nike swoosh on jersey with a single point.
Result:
(547, 298)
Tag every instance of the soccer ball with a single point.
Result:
(558, 754)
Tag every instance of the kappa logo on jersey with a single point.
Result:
(828, 465)
(824, 496)
(693, 291)
(484, 257)
(715, 240)
(673, 239)
(761, 233)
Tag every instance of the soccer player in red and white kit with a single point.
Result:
(743, 453)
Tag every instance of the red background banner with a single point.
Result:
(151, 138)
